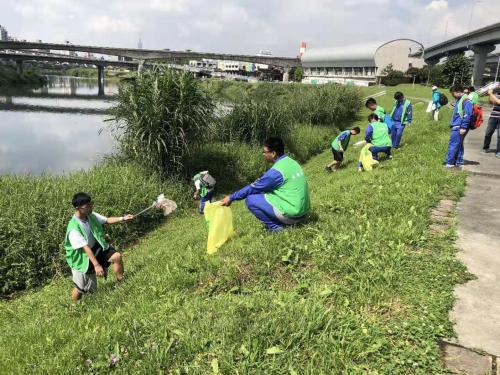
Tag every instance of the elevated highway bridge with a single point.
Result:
(481, 42)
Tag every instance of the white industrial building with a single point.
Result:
(359, 65)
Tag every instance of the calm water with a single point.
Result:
(56, 129)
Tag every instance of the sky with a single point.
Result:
(244, 27)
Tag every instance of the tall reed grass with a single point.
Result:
(159, 116)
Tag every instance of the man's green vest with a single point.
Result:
(77, 258)
(380, 112)
(344, 142)
(380, 136)
(292, 197)
(403, 114)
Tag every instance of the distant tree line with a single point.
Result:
(456, 70)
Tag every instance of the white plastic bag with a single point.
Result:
(430, 107)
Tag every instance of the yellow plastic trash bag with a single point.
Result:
(366, 158)
(220, 225)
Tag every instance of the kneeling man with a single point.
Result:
(280, 196)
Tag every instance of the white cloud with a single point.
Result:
(242, 26)
(437, 5)
(110, 24)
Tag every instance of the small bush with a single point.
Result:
(253, 122)
(36, 210)
(306, 141)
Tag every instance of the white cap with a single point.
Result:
(434, 88)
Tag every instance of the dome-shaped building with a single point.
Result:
(360, 64)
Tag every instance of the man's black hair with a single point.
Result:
(399, 96)
(356, 129)
(457, 88)
(370, 101)
(373, 116)
(80, 199)
(471, 89)
(275, 144)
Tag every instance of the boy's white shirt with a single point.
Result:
(77, 241)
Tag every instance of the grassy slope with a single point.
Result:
(362, 287)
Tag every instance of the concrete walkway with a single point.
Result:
(477, 309)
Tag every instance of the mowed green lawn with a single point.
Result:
(362, 287)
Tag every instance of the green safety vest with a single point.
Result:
(460, 105)
(380, 112)
(380, 136)
(292, 197)
(77, 258)
(344, 142)
(403, 114)
(474, 97)
(203, 188)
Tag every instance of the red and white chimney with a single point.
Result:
(302, 49)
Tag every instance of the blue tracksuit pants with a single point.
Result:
(205, 199)
(265, 212)
(455, 154)
(397, 133)
(375, 150)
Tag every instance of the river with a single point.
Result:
(57, 129)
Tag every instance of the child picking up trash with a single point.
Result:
(339, 146)
(205, 185)
(378, 140)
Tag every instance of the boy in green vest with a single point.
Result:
(203, 192)
(371, 104)
(87, 252)
(401, 116)
(339, 146)
(377, 134)
(280, 196)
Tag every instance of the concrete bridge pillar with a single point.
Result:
(480, 54)
(286, 74)
(100, 79)
(19, 66)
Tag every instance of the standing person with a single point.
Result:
(339, 146)
(87, 251)
(280, 196)
(473, 96)
(401, 116)
(459, 126)
(436, 102)
(493, 123)
(204, 190)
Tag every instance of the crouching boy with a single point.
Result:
(87, 252)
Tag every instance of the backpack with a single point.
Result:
(208, 181)
(476, 117)
(443, 100)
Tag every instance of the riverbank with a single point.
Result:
(10, 78)
(363, 286)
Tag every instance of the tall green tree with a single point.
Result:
(456, 70)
